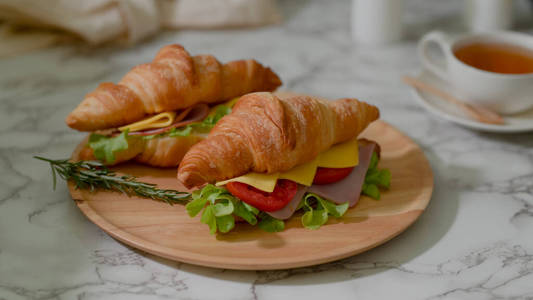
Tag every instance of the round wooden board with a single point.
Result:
(168, 231)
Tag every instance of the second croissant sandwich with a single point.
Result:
(278, 153)
(160, 109)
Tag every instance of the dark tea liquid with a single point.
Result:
(498, 58)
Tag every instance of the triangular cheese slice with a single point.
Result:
(302, 174)
(158, 121)
(264, 182)
(342, 155)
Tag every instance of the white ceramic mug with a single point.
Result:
(503, 93)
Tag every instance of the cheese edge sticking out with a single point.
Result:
(161, 120)
(264, 182)
(302, 174)
(342, 155)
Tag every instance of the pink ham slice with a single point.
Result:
(290, 208)
(348, 189)
(195, 114)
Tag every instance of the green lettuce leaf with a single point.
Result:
(374, 160)
(105, 147)
(183, 131)
(318, 210)
(250, 208)
(219, 112)
(313, 219)
(270, 224)
(331, 208)
(208, 217)
(384, 178)
(246, 212)
(375, 178)
(219, 208)
(201, 127)
(225, 223)
(196, 205)
(371, 190)
(223, 208)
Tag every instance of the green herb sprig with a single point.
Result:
(93, 174)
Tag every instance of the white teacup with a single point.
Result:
(503, 93)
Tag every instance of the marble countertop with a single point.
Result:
(474, 241)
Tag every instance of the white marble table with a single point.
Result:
(475, 241)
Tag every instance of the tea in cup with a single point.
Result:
(494, 70)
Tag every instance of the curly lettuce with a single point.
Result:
(375, 179)
(218, 209)
(318, 210)
(105, 147)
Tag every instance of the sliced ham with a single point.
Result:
(194, 114)
(348, 189)
(290, 208)
(190, 115)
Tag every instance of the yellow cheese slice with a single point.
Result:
(342, 155)
(302, 174)
(158, 121)
(264, 182)
(165, 119)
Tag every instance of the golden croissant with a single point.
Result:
(172, 81)
(268, 133)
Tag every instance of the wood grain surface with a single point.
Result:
(168, 231)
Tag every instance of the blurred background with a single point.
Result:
(26, 25)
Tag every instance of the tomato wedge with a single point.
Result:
(331, 175)
(278, 199)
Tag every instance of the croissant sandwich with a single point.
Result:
(160, 109)
(279, 153)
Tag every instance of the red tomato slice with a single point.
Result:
(331, 175)
(278, 199)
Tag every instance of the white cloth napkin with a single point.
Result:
(99, 21)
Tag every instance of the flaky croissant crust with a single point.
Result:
(266, 133)
(173, 80)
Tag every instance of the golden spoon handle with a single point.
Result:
(477, 113)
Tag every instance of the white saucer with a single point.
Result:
(513, 123)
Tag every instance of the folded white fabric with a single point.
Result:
(217, 13)
(99, 21)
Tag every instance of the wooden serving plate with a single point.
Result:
(168, 231)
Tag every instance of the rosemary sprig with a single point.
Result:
(93, 174)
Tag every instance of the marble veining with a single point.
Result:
(475, 240)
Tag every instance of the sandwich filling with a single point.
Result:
(330, 193)
(343, 155)
(197, 120)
